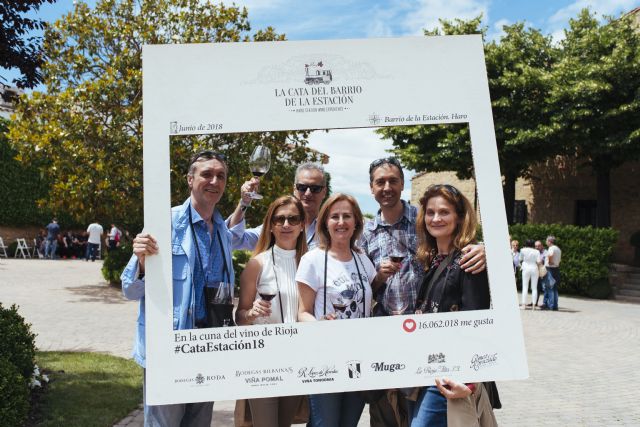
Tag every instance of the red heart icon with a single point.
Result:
(409, 325)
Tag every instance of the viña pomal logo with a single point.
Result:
(317, 73)
(199, 379)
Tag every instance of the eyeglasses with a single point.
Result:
(315, 189)
(450, 188)
(291, 219)
(208, 155)
(386, 160)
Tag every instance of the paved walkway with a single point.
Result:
(583, 359)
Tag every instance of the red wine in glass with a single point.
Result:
(339, 307)
(396, 258)
(267, 297)
(258, 172)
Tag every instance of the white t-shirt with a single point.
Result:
(529, 258)
(554, 254)
(342, 281)
(95, 232)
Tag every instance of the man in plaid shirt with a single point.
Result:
(393, 232)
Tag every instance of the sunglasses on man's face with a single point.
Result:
(315, 189)
(291, 219)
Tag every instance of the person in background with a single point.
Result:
(51, 243)
(529, 261)
(94, 238)
(334, 281)
(515, 255)
(554, 255)
(446, 224)
(113, 239)
(269, 293)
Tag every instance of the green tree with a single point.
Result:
(518, 69)
(87, 126)
(595, 98)
(19, 48)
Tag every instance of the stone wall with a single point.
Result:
(552, 190)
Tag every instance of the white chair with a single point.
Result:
(36, 250)
(3, 249)
(23, 248)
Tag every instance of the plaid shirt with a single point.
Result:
(375, 242)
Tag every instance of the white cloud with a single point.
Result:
(560, 20)
(350, 153)
(601, 7)
(496, 32)
(426, 14)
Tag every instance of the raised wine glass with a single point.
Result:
(259, 162)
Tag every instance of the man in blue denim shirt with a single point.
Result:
(195, 222)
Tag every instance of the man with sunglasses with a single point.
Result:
(310, 187)
(201, 257)
(395, 226)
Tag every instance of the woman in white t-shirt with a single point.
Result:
(269, 293)
(334, 281)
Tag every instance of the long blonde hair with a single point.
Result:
(267, 239)
(465, 231)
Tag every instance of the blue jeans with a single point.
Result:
(555, 273)
(50, 247)
(92, 250)
(430, 409)
(178, 415)
(336, 409)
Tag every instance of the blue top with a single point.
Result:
(53, 229)
(184, 260)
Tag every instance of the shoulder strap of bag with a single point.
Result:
(436, 275)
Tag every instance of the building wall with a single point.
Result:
(551, 193)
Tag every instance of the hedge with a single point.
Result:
(18, 342)
(115, 261)
(586, 255)
(14, 404)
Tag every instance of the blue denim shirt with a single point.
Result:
(183, 263)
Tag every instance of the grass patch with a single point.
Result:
(86, 390)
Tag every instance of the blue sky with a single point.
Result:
(340, 19)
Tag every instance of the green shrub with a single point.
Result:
(18, 342)
(240, 259)
(14, 404)
(115, 261)
(586, 254)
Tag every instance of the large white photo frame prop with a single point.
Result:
(247, 87)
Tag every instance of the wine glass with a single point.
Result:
(396, 301)
(267, 292)
(259, 162)
(340, 304)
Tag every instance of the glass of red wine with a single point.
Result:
(340, 304)
(395, 299)
(259, 162)
(267, 292)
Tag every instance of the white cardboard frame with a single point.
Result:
(247, 87)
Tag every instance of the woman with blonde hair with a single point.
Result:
(334, 281)
(446, 223)
(269, 293)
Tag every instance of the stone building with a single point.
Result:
(563, 191)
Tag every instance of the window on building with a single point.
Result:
(519, 212)
(586, 212)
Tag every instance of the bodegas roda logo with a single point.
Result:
(200, 379)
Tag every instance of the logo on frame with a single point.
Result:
(353, 367)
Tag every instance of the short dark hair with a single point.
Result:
(385, 161)
(205, 155)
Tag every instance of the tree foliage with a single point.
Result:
(595, 97)
(518, 69)
(18, 48)
(88, 123)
